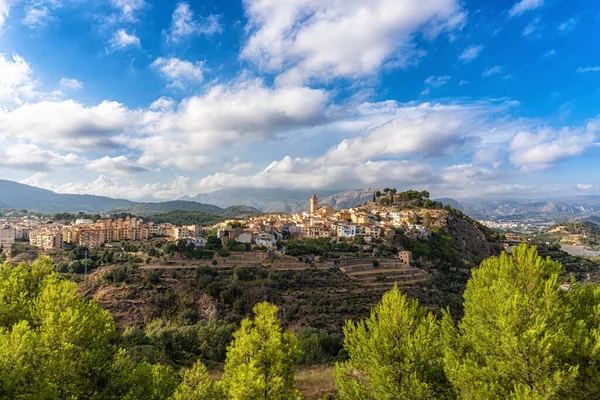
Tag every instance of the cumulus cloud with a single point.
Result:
(119, 165)
(129, 8)
(122, 40)
(470, 53)
(301, 173)
(117, 187)
(184, 25)
(324, 40)
(179, 72)
(534, 151)
(67, 124)
(32, 157)
(225, 115)
(70, 83)
(17, 83)
(163, 103)
(525, 5)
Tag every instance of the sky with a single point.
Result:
(153, 100)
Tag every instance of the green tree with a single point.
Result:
(197, 385)
(61, 344)
(130, 381)
(522, 336)
(261, 359)
(394, 354)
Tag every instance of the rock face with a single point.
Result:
(469, 240)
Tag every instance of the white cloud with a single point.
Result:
(184, 25)
(492, 71)
(531, 27)
(30, 156)
(584, 186)
(129, 8)
(568, 25)
(324, 40)
(470, 53)
(18, 84)
(122, 40)
(119, 165)
(4, 11)
(67, 124)
(117, 187)
(588, 69)
(549, 53)
(163, 103)
(525, 5)
(238, 114)
(463, 82)
(179, 72)
(468, 173)
(434, 82)
(70, 83)
(437, 81)
(310, 173)
(540, 150)
(37, 15)
(240, 166)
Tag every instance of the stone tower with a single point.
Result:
(314, 204)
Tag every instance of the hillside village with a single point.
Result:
(378, 219)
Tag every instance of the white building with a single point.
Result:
(83, 221)
(197, 241)
(244, 238)
(265, 239)
(7, 236)
(348, 230)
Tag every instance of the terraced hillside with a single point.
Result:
(320, 295)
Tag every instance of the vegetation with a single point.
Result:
(186, 218)
(524, 335)
(394, 354)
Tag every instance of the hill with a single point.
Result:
(584, 233)
(14, 195)
(20, 196)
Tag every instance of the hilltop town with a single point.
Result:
(386, 217)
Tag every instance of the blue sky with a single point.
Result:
(152, 100)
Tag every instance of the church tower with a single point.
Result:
(314, 204)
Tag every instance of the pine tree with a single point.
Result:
(261, 360)
(394, 354)
(197, 385)
(522, 336)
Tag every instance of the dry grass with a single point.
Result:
(316, 381)
(313, 382)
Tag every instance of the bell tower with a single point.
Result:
(314, 204)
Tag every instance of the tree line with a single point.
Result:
(525, 334)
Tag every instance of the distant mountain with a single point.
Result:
(147, 209)
(452, 203)
(282, 200)
(20, 196)
(565, 208)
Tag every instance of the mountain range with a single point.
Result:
(242, 202)
(15, 195)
